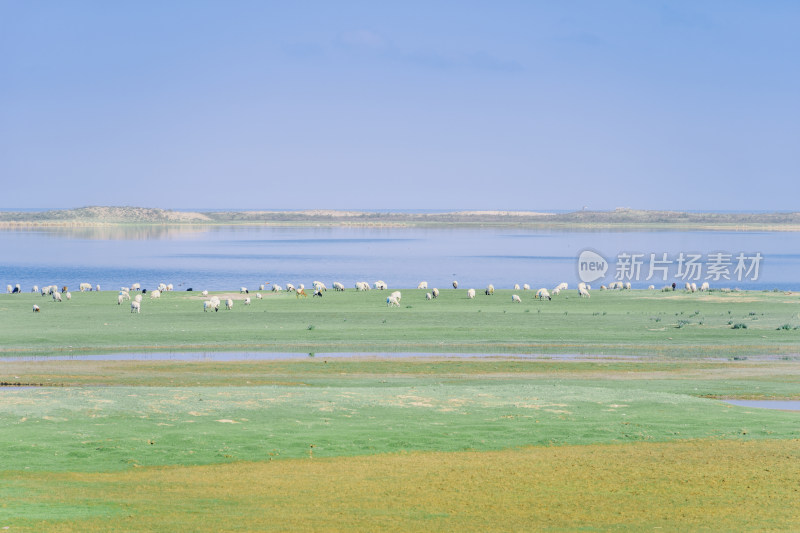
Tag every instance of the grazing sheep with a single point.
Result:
(362, 286)
(543, 293)
(435, 292)
(162, 287)
(562, 286)
(455, 284)
(136, 287)
(155, 294)
(215, 299)
(516, 299)
(603, 287)
(261, 287)
(35, 308)
(244, 290)
(556, 292)
(138, 298)
(319, 285)
(396, 294)
(428, 296)
(124, 289)
(688, 286)
(120, 299)
(204, 294)
(35, 288)
(317, 292)
(247, 301)
(471, 294)
(170, 287)
(581, 285)
(583, 293)
(97, 287)
(8, 289)
(85, 287)
(56, 296)
(694, 287)
(651, 287)
(289, 287)
(526, 287)
(277, 288)
(125, 295)
(258, 296)
(516, 286)
(628, 285)
(704, 286)
(381, 285)
(300, 291)
(210, 304)
(338, 286)
(391, 301)
(228, 304)
(136, 307)
(423, 285)
(68, 295)
(489, 290)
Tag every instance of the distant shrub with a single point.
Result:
(740, 325)
(310, 327)
(785, 326)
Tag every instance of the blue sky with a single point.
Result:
(409, 105)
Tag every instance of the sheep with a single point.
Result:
(138, 298)
(361, 286)
(16, 289)
(603, 287)
(582, 292)
(317, 292)
(35, 308)
(136, 287)
(688, 286)
(556, 292)
(243, 290)
(455, 284)
(289, 287)
(396, 294)
(428, 296)
(210, 304)
(337, 286)
(124, 289)
(204, 294)
(489, 290)
(435, 292)
(526, 287)
(300, 291)
(381, 285)
(704, 287)
(261, 287)
(125, 295)
(694, 287)
(68, 295)
(45, 290)
(155, 294)
(391, 301)
(85, 287)
(516, 299)
(471, 293)
(35, 288)
(543, 293)
(319, 285)
(258, 296)
(562, 286)
(581, 285)
(56, 296)
(228, 304)
(651, 287)
(215, 300)
(247, 301)
(516, 286)
(423, 285)
(162, 287)
(120, 299)
(136, 307)
(8, 289)
(97, 287)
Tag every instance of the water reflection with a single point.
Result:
(113, 232)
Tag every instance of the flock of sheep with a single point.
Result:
(393, 300)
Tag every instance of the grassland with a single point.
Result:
(624, 432)
(619, 218)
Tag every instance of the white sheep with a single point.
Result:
(124, 289)
(688, 286)
(556, 292)
(581, 285)
(583, 293)
(228, 304)
(526, 287)
(435, 292)
(381, 285)
(455, 284)
(319, 286)
(516, 299)
(562, 286)
(56, 296)
(35, 288)
(397, 295)
(628, 285)
(428, 296)
(289, 287)
(215, 300)
(120, 299)
(85, 287)
(362, 286)
(136, 307)
(694, 287)
(704, 286)
(243, 290)
(489, 290)
(125, 295)
(391, 301)
(261, 287)
(258, 296)
(651, 287)
(471, 293)
(138, 298)
(35, 308)
(162, 287)
(68, 296)
(136, 287)
(210, 304)
(247, 301)
(204, 294)
(338, 286)
(155, 294)
(9, 289)
(97, 287)
(423, 285)
(543, 293)
(277, 288)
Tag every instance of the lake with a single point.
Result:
(229, 257)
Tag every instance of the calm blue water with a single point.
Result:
(226, 258)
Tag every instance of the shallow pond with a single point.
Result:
(783, 405)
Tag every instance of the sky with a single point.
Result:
(445, 105)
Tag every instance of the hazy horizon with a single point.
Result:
(534, 106)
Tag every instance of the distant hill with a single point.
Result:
(621, 218)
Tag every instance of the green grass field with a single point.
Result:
(403, 443)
